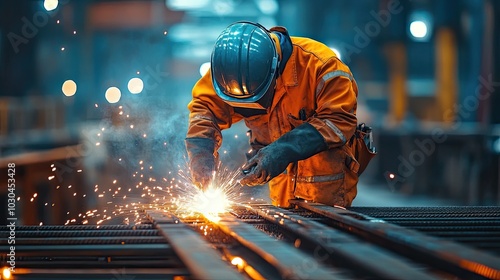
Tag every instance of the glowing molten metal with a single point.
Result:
(211, 202)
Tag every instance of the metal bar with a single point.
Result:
(93, 273)
(290, 262)
(88, 240)
(75, 233)
(342, 247)
(198, 256)
(471, 234)
(162, 217)
(448, 256)
(441, 211)
(432, 228)
(101, 262)
(430, 222)
(86, 250)
(79, 227)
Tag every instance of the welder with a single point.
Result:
(298, 100)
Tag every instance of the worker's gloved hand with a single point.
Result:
(201, 160)
(300, 143)
(264, 166)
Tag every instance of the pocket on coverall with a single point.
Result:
(321, 178)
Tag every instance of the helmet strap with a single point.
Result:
(277, 44)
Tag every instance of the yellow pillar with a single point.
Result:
(4, 116)
(446, 73)
(396, 55)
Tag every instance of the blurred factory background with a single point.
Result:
(91, 91)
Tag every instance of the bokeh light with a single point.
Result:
(418, 29)
(337, 52)
(135, 85)
(6, 273)
(69, 88)
(268, 7)
(50, 5)
(204, 68)
(113, 94)
(237, 261)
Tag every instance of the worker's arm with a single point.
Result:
(336, 99)
(208, 116)
(298, 144)
(331, 126)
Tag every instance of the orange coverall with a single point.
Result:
(313, 81)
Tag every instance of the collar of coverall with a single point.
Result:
(284, 48)
(283, 44)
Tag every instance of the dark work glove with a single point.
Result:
(300, 143)
(201, 160)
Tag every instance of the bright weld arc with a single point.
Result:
(211, 202)
(217, 199)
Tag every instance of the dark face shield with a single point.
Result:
(262, 103)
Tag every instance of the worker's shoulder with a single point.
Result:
(313, 47)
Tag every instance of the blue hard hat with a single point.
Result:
(244, 65)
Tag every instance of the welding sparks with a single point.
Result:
(218, 198)
(6, 273)
(119, 200)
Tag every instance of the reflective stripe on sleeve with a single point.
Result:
(337, 131)
(202, 117)
(331, 75)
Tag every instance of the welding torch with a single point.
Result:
(248, 170)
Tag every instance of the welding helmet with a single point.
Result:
(244, 65)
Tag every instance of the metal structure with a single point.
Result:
(310, 241)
